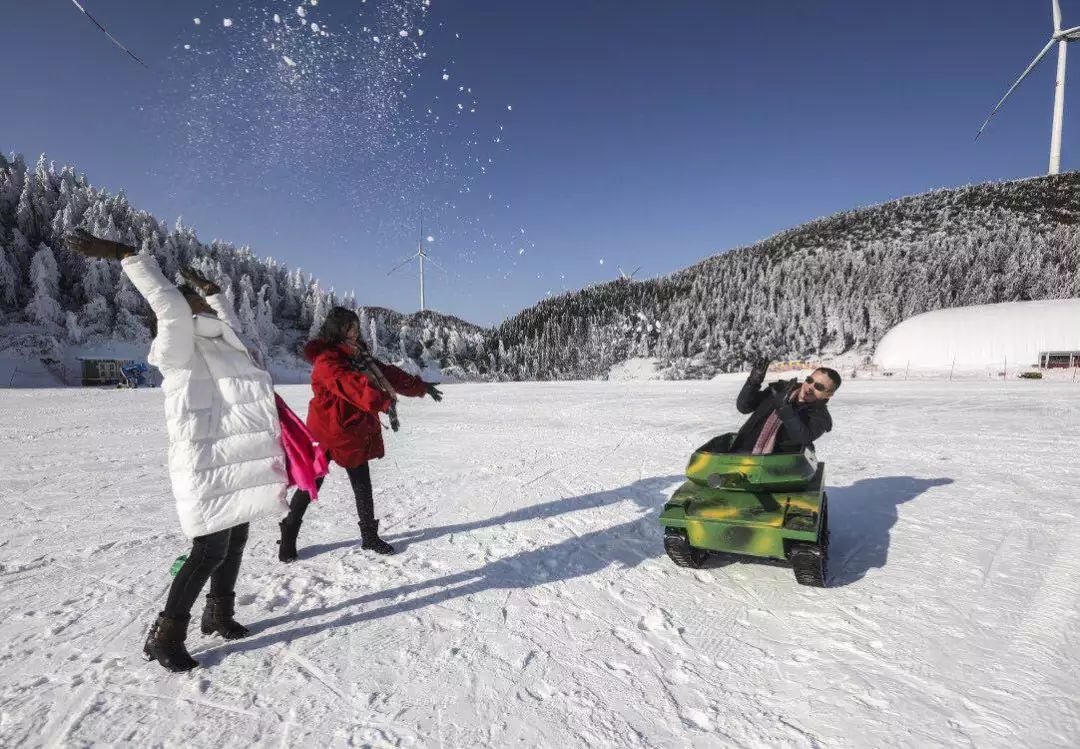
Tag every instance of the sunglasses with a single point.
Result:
(817, 385)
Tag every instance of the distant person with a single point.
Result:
(786, 416)
(226, 462)
(350, 390)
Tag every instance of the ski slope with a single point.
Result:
(531, 603)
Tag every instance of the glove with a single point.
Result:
(758, 371)
(200, 282)
(85, 243)
(392, 413)
(434, 392)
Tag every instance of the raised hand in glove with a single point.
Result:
(760, 368)
(434, 392)
(85, 243)
(200, 282)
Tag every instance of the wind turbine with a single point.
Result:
(422, 256)
(627, 276)
(1061, 37)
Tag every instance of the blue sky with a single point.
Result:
(640, 133)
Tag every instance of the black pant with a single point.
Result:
(215, 556)
(360, 478)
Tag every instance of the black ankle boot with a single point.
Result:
(287, 544)
(369, 535)
(165, 644)
(218, 617)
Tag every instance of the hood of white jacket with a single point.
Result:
(209, 326)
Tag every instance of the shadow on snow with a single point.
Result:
(860, 518)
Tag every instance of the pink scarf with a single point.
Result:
(766, 441)
(304, 460)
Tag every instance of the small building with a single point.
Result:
(102, 371)
(1058, 359)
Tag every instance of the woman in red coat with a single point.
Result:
(350, 390)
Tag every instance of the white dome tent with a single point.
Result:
(991, 337)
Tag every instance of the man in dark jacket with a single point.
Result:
(786, 416)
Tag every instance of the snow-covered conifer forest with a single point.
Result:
(52, 298)
(826, 288)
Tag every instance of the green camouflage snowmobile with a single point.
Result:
(771, 506)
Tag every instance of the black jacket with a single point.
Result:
(802, 422)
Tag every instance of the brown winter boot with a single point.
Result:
(165, 644)
(218, 617)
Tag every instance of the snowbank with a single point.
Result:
(635, 369)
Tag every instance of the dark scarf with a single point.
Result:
(371, 367)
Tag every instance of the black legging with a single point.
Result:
(360, 478)
(215, 556)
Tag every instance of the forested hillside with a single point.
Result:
(52, 298)
(822, 289)
(826, 288)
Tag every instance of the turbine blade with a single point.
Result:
(437, 265)
(1057, 16)
(112, 38)
(1036, 61)
(401, 264)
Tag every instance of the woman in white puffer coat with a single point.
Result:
(226, 461)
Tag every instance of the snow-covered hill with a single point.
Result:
(828, 288)
(56, 305)
(825, 288)
(531, 602)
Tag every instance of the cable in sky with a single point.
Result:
(106, 33)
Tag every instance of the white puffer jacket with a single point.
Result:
(225, 456)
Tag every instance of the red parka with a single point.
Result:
(344, 414)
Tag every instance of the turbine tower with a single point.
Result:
(422, 257)
(1061, 37)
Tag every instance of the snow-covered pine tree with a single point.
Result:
(319, 311)
(95, 319)
(246, 309)
(72, 331)
(44, 309)
(26, 216)
(9, 277)
(264, 318)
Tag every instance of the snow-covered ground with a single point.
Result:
(531, 603)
